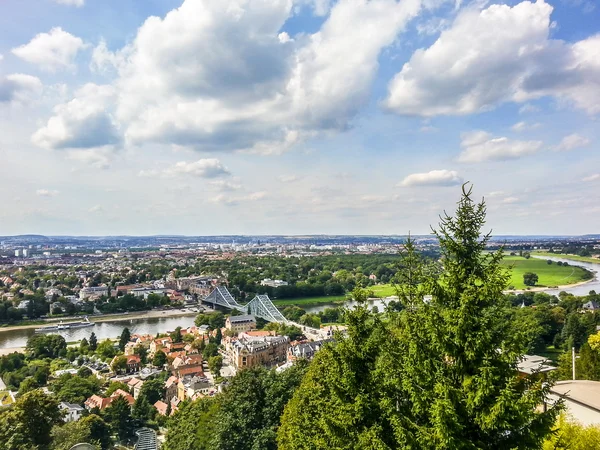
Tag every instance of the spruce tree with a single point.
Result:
(93, 342)
(124, 339)
(440, 374)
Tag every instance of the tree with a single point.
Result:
(115, 386)
(440, 374)
(30, 421)
(83, 430)
(75, 389)
(142, 352)
(118, 416)
(176, 335)
(159, 359)
(84, 346)
(218, 336)
(106, 349)
(46, 346)
(119, 364)
(215, 363)
(124, 339)
(571, 435)
(216, 320)
(93, 342)
(153, 389)
(211, 349)
(530, 278)
(143, 410)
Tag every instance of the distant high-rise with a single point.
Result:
(18, 253)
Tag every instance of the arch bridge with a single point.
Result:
(260, 306)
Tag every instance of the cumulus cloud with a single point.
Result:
(571, 142)
(97, 158)
(496, 55)
(46, 193)
(433, 178)
(525, 126)
(479, 146)
(203, 168)
(19, 88)
(51, 51)
(220, 76)
(83, 122)
(225, 185)
(593, 177)
(77, 3)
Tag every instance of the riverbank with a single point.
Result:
(575, 258)
(154, 314)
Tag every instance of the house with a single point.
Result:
(7, 281)
(238, 324)
(95, 401)
(135, 384)
(159, 344)
(192, 371)
(93, 292)
(581, 399)
(592, 305)
(72, 411)
(187, 361)
(171, 387)
(162, 407)
(189, 387)
(248, 351)
(534, 364)
(134, 363)
(130, 348)
(306, 350)
(273, 283)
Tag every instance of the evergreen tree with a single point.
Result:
(440, 374)
(218, 336)
(118, 416)
(124, 339)
(93, 342)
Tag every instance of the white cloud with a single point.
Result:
(83, 122)
(496, 55)
(51, 51)
(287, 178)
(572, 141)
(319, 7)
(77, 3)
(46, 193)
(432, 178)
(96, 209)
(97, 158)
(229, 200)
(203, 168)
(19, 88)
(525, 126)
(528, 108)
(593, 177)
(479, 146)
(510, 200)
(218, 76)
(225, 185)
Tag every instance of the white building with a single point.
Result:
(72, 411)
(273, 283)
(582, 399)
(18, 253)
(88, 292)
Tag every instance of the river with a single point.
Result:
(103, 330)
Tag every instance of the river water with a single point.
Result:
(103, 330)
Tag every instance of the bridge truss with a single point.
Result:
(260, 306)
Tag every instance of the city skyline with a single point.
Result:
(281, 117)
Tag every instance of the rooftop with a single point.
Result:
(584, 392)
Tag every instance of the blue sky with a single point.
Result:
(297, 116)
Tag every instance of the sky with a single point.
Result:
(209, 117)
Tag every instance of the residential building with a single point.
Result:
(247, 351)
(306, 350)
(171, 388)
(162, 407)
(273, 283)
(238, 324)
(592, 305)
(581, 399)
(72, 411)
(159, 344)
(135, 384)
(93, 292)
(190, 386)
(95, 401)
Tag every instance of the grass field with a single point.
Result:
(310, 300)
(549, 274)
(569, 257)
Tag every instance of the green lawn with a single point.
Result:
(569, 257)
(549, 274)
(309, 300)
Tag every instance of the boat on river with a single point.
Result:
(65, 326)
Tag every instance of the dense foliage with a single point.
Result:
(440, 374)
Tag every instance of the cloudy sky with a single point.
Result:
(297, 116)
